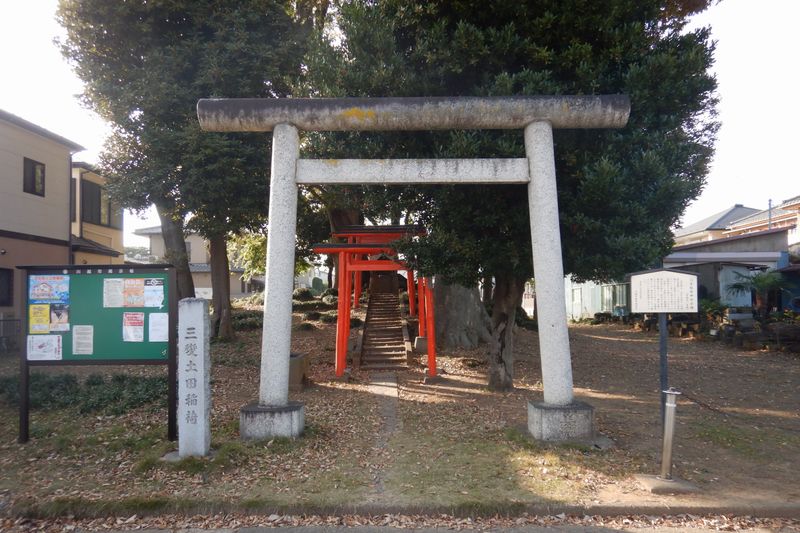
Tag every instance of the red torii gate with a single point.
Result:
(359, 234)
(352, 261)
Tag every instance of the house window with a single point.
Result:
(6, 287)
(73, 205)
(97, 208)
(33, 177)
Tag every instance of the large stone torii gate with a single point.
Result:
(559, 417)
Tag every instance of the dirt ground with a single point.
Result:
(451, 445)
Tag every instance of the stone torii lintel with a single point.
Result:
(413, 113)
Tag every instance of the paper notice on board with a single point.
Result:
(59, 317)
(134, 292)
(39, 319)
(112, 292)
(158, 327)
(133, 327)
(44, 347)
(153, 292)
(48, 289)
(82, 340)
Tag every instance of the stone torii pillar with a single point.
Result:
(559, 417)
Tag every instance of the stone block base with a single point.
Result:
(257, 422)
(561, 423)
(421, 345)
(298, 372)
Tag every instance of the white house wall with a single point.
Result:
(22, 212)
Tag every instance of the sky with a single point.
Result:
(756, 68)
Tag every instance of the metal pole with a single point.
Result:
(662, 343)
(669, 430)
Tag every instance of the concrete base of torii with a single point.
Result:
(561, 423)
(261, 422)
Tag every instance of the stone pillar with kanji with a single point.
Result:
(194, 384)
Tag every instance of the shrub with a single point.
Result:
(313, 305)
(115, 396)
(329, 292)
(305, 326)
(303, 294)
(328, 318)
(312, 315)
(355, 322)
(330, 300)
(247, 320)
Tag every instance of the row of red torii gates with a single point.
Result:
(369, 249)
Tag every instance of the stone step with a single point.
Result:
(383, 345)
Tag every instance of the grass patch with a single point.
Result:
(735, 438)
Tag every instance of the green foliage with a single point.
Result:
(356, 322)
(248, 250)
(144, 66)
(313, 305)
(711, 311)
(759, 282)
(303, 294)
(312, 315)
(254, 300)
(247, 320)
(330, 300)
(114, 396)
(619, 191)
(329, 317)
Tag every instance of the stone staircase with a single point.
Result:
(383, 346)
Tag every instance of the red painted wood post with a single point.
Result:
(340, 310)
(431, 328)
(357, 290)
(412, 308)
(421, 306)
(346, 319)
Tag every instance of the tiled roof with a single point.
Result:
(761, 216)
(718, 221)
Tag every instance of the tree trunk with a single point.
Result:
(461, 318)
(329, 263)
(487, 290)
(221, 325)
(507, 298)
(175, 249)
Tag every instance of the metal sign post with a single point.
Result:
(663, 291)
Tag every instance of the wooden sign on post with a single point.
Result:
(663, 291)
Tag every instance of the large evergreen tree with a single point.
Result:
(144, 65)
(619, 191)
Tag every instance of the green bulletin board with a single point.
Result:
(104, 314)
(100, 315)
